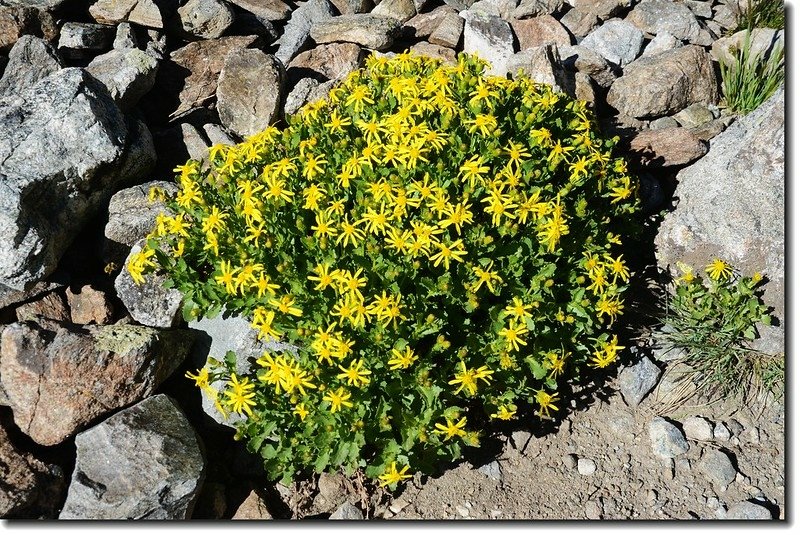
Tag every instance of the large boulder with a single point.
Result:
(64, 148)
(731, 205)
(665, 83)
(143, 12)
(59, 377)
(326, 62)
(128, 74)
(296, 33)
(371, 31)
(618, 41)
(656, 16)
(30, 60)
(490, 38)
(145, 462)
(206, 19)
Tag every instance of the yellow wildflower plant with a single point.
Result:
(440, 247)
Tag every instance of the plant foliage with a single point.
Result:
(751, 78)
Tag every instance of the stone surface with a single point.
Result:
(666, 439)
(296, 33)
(207, 19)
(299, 95)
(665, 83)
(717, 467)
(422, 25)
(578, 23)
(717, 218)
(78, 38)
(762, 42)
(16, 21)
(145, 462)
(666, 147)
(448, 32)
(656, 16)
(347, 511)
(59, 378)
(127, 74)
(149, 303)
(143, 12)
(30, 60)
(51, 306)
(367, 30)
(131, 216)
(402, 10)
(695, 115)
(90, 306)
(490, 38)
(748, 511)
(586, 467)
(29, 487)
(125, 37)
(663, 122)
(616, 40)
(636, 381)
(540, 31)
(582, 59)
(492, 470)
(708, 131)
(64, 146)
(326, 62)
(603, 9)
(447, 55)
(192, 71)
(217, 135)
(332, 492)
(271, 10)
(250, 91)
(499, 8)
(350, 7)
(660, 43)
(541, 64)
(532, 8)
(701, 8)
(252, 508)
(10, 296)
(698, 428)
(721, 432)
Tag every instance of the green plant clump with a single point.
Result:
(760, 14)
(441, 246)
(751, 78)
(712, 321)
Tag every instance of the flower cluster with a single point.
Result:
(441, 246)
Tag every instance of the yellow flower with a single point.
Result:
(514, 334)
(286, 305)
(546, 403)
(485, 276)
(313, 166)
(336, 122)
(485, 123)
(349, 233)
(468, 378)
(276, 189)
(473, 170)
(719, 270)
(324, 277)
(262, 322)
(687, 272)
(139, 262)
(618, 268)
(355, 375)
(264, 284)
(391, 476)
(226, 277)
(452, 251)
(301, 411)
(457, 215)
(504, 413)
(518, 309)
(610, 307)
(240, 395)
(402, 359)
(451, 429)
(323, 228)
(338, 399)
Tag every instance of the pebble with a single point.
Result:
(652, 496)
(463, 511)
(698, 428)
(570, 460)
(721, 432)
(492, 470)
(748, 511)
(667, 440)
(586, 467)
(718, 468)
(347, 511)
(593, 510)
(398, 505)
(636, 381)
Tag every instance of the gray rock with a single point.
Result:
(401, 10)
(250, 91)
(700, 8)
(520, 440)
(64, 146)
(593, 510)
(333, 492)
(533, 8)
(30, 60)
(665, 83)
(79, 38)
(695, 115)
(125, 37)
(424, 48)
(603, 9)
(131, 217)
(570, 460)
(448, 32)
(296, 33)
(30, 487)
(499, 8)
(580, 86)
(327, 62)
(271, 10)
(716, 218)
(762, 42)
(217, 135)
(298, 96)
(351, 7)
(89, 305)
(58, 377)
(490, 38)
(145, 462)
(667, 440)
(663, 122)
(582, 59)
(725, 15)
(207, 19)
(586, 467)
(540, 31)
(492, 470)
(748, 511)
(252, 508)
(10, 296)
(149, 303)
(127, 74)
(367, 30)
(636, 381)
(196, 145)
(660, 43)
(579, 24)
(423, 25)
(665, 147)
(656, 16)
(347, 511)
(541, 64)
(616, 40)
(51, 306)
(733, 426)
(721, 432)
(221, 334)
(717, 467)
(698, 428)
(143, 12)
(156, 44)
